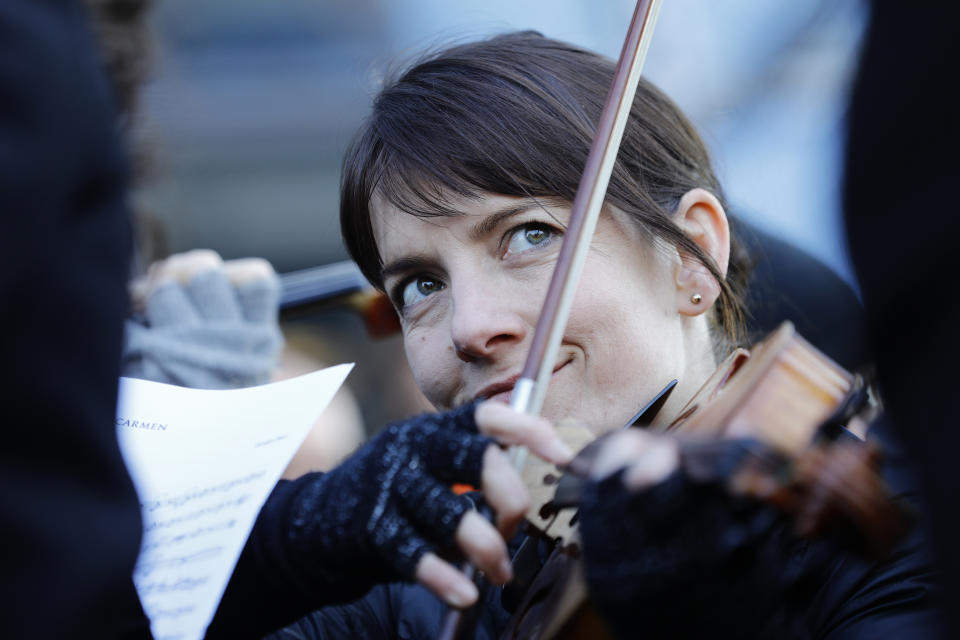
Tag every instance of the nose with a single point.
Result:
(486, 322)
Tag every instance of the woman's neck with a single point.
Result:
(699, 364)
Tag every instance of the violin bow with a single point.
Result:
(531, 387)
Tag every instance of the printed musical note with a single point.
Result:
(203, 463)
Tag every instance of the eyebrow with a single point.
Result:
(404, 265)
(478, 231)
(489, 223)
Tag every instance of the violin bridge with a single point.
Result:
(541, 479)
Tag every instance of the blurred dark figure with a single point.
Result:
(124, 44)
(69, 520)
(902, 172)
(787, 283)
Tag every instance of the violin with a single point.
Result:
(784, 407)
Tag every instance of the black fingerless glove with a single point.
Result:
(373, 517)
(684, 559)
(327, 538)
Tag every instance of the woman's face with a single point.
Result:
(469, 290)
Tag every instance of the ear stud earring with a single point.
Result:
(696, 298)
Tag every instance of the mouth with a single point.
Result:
(502, 391)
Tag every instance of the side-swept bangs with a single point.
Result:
(515, 115)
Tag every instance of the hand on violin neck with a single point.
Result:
(646, 458)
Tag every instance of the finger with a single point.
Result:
(168, 305)
(257, 288)
(182, 267)
(485, 547)
(649, 458)
(503, 424)
(246, 270)
(397, 541)
(430, 505)
(452, 454)
(138, 289)
(179, 269)
(214, 297)
(258, 298)
(656, 463)
(618, 451)
(504, 490)
(446, 581)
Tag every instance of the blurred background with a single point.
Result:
(249, 106)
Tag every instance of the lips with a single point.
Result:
(502, 391)
(499, 391)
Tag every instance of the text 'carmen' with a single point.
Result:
(141, 424)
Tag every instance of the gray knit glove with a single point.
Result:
(208, 334)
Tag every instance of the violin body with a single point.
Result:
(779, 393)
(782, 394)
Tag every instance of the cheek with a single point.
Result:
(617, 350)
(432, 365)
(626, 331)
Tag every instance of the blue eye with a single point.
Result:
(527, 237)
(416, 289)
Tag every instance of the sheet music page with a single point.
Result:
(203, 463)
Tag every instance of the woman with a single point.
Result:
(455, 195)
(645, 312)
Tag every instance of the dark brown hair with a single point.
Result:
(515, 115)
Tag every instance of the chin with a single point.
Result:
(556, 413)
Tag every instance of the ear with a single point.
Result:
(701, 216)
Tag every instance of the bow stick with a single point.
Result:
(531, 387)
